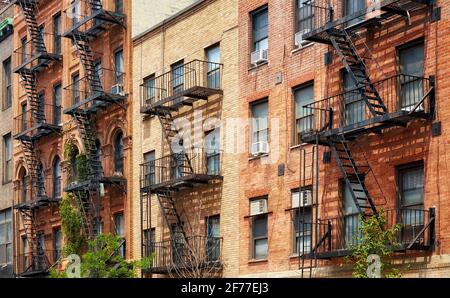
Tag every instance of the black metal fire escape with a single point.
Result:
(95, 21)
(340, 137)
(40, 128)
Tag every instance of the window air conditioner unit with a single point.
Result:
(258, 207)
(302, 199)
(410, 108)
(298, 39)
(117, 89)
(260, 148)
(259, 56)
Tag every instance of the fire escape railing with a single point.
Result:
(28, 57)
(196, 80)
(29, 198)
(197, 252)
(403, 96)
(337, 236)
(198, 164)
(28, 126)
(109, 88)
(31, 264)
(329, 14)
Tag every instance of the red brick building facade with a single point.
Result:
(354, 98)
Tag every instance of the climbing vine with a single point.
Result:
(82, 168)
(71, 225)
(374, 239)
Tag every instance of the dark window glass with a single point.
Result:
(57, 34)
(261, 30)
(412, 67)
(118, 153)
(57, 178)
(177, 77)
(57, 102)
(7, 83)
(259, 236)
(303, 116)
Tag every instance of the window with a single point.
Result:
(119, 6)
(98, 226)
(212, 146)
(177, 80)
(57, 244)
(412, 68)
(118, 66)
(149, 159)
(354, 104)
(259, 237)
(304, 118)
(213, 238)
(120, 231)
(75, 89)
(118, 153)
(149, 241)
(75, 7)
(23, 44)
(98, 150)
(260, 20)
(57, 178)
(213, 58)
(411, 193)
(24, 115)
(57, 34)
(260, 119)
(57, 102)
(7, 83)
(305, 16)
(73, 166)
(6, 253)
(351, 213)
(7, 157)
(149, 89)
(41, 107)
(23, 186)
(302, 226)
(353, 6)
(178, 244)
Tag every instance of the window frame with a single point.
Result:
(57, 33)
(57, 109)
(6, 222)
(149, 89)
(55, 185)
(297, 138)
(252, 126)
(7, 84)
(119, 152)
(400, 171)
(257, 238)
(7, 160)
(253, 15)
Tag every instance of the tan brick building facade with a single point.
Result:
(203, 41)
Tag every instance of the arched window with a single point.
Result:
(23, 185)
(57, 178)
(118, 153)
(41, 180)
(73, 164)
(98, 151)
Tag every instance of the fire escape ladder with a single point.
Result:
(34, 170)
(30, 86)
(171, 215)
(29, 223)
(357, 69)
(86, 55)
(29, 8)
(87, 209)
(353, 176)
(170, 132)
(87, 197)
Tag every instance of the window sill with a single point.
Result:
(299, 49)
(251, 68)
(262, 261)
(251, 158)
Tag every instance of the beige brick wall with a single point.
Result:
(6, 124)
(186, 38)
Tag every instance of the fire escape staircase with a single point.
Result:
(356, 68)
(353, 175)
(88, 194)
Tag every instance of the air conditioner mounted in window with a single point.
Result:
(118, 89)
(302, 199)
(298, 39)
(259, 56)
(258, 207)
(260, 148)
